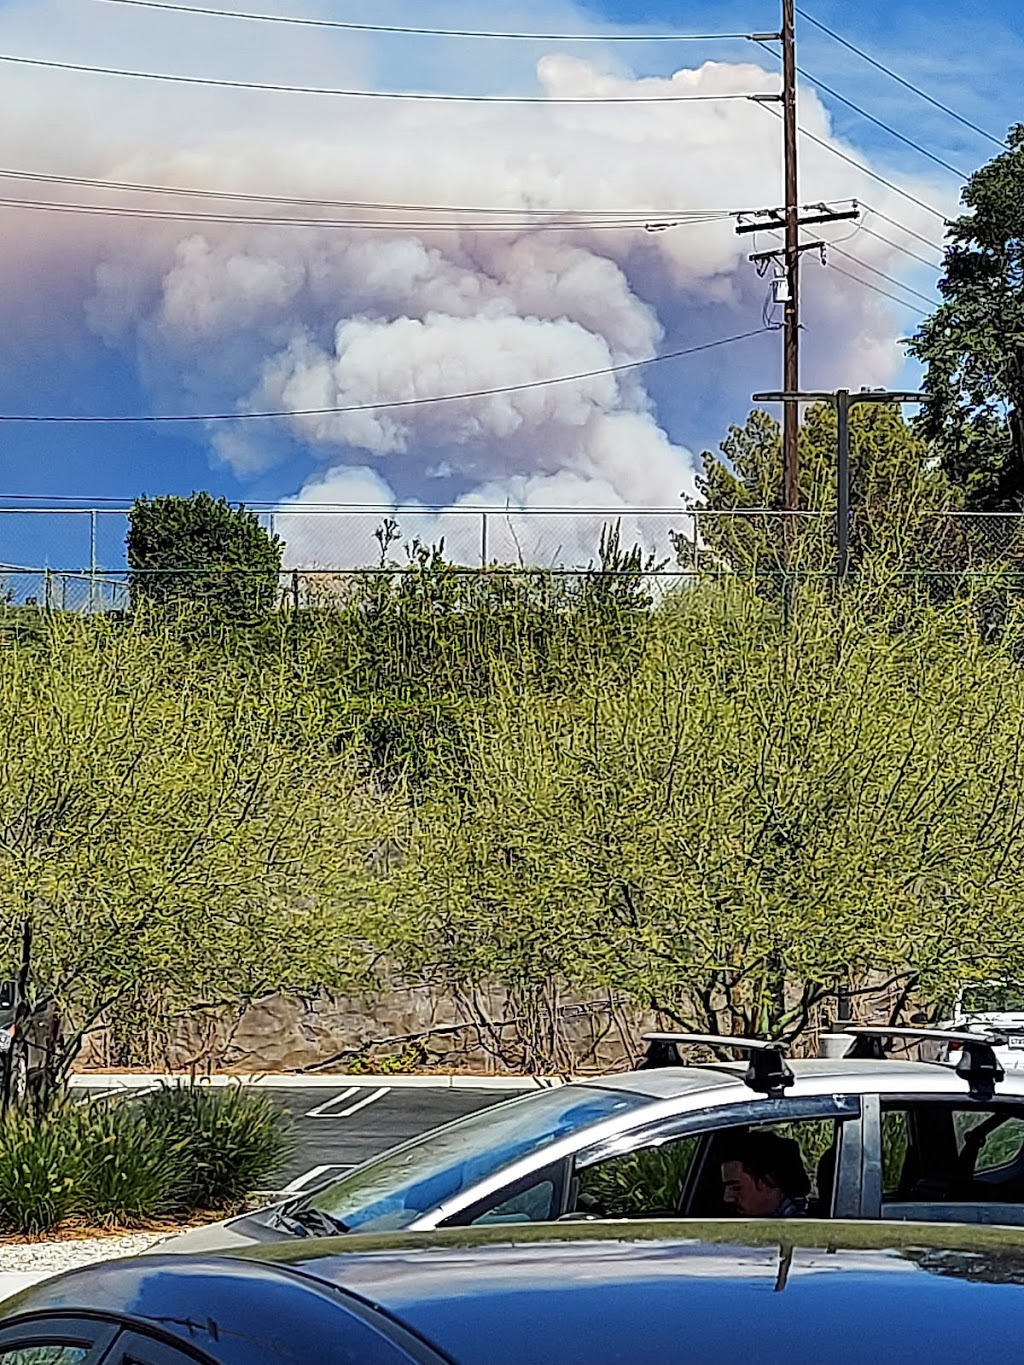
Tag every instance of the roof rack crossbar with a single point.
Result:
(978, 1067)
(767, 1072)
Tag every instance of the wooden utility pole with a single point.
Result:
(788, 219)
(791, 369)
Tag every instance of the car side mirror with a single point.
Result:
(10, 994)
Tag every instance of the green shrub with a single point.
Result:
(235, 1141)
(638, 1184)
(129, 1172)
(39, 1162)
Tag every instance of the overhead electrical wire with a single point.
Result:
(901, 80)
(550, 224)
(890, 279)
(893, 132)
(154, 418)
(876, 290)
(925, 241)
(913, 255)
(857, 109)
(874, 270)
(427, 96)
(436, 32)
(860, 166)
(137, 187)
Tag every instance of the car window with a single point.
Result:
(641, 1184)
(532, 1205)
(895, 1140)
(683, 1176)
(941, 1153)
(998, 1138)
(41, 1354)
(394, 1190)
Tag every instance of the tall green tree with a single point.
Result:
(176, 831)
(894, 490)
(201, 550)
(973, 344)
(749, 818)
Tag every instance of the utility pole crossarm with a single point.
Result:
(776, 218)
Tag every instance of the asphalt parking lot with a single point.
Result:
(338, 1129)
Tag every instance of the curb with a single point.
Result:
(89, 1080)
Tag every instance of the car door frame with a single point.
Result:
(151, 1349)
(872, 1192)
(73, 1331)
(844, 1107)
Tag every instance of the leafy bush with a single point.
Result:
(129, 1171)
(39, 1163)
(126, 1163)
(234, 1141)
(202, 550)
(638, 1184)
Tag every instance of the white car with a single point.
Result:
(992, 1005)
(878, 1139)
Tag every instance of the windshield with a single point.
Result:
(994, 997)
(395, 1189)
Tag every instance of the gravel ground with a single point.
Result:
(53, 1257)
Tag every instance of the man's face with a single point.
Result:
(748, 1195)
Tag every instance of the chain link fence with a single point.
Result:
(75, 559)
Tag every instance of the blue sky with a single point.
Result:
(58, 358)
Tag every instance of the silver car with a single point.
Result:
(878, 1139)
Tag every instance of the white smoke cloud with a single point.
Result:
(255, 318)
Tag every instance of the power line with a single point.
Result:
(914, 256)
(366, 94)
(834, 248)
(550, 224)
(642, 214)
(439, 32)
(893, 132)
(893, 75)
(876, 290)
(889, 184)
(379, 407)
(890, 279)
(887, 128)
(860, 166)
(926, 241)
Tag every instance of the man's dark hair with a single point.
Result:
(768, 1155)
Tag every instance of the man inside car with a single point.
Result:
(763, 1176)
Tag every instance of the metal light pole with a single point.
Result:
(843, 400)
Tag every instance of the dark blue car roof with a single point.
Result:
(644, 1295)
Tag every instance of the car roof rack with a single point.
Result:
(978, 1066)
(767, 1072)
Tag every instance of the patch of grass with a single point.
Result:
(39, 1165)
(234, 1141)
(129, 1172)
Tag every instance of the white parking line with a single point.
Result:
(361, 1104)
(320, 1111)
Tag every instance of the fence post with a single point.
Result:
(295, 620)
(47, 590)
(843, 483)
(483, 540)
(92, 560)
